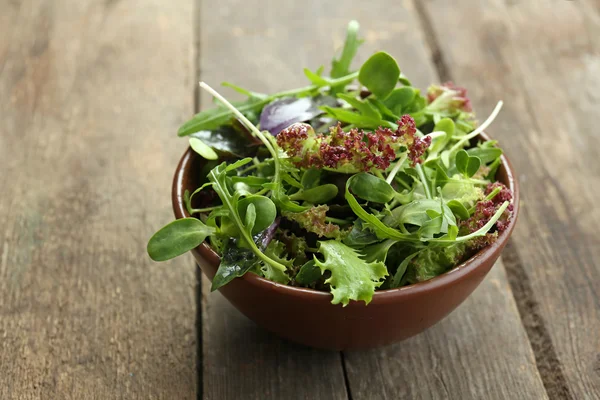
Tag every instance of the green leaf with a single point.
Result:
(228, 140)
(341, 67)
(378, 251)
(264, 212)
(178, 237)
(399, 274)
(383, 109)
(381, 230)
(404, 80)
(214, 118)
(493, 169)
(352, 278)
(433, 261)
(309, 273)
(466, 164)
(416, 213)
(218, 177)
(315, 78)
(364, 108)
(235, 262)
(371, 188)
(243, 91)
(236, 165)
(317, 195)
(310, 178)
(380, 74)
(201, 148)
(360, 236)
(400, 98)
(459, 209)
(249, 217)
(354, 118)
(276, 251)
(486, 155)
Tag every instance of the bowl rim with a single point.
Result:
(459, 272)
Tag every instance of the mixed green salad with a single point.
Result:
(354, 183)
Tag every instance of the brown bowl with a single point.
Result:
(307, 316)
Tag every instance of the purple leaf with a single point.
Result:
(282, 113)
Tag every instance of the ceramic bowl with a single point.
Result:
(307, 316)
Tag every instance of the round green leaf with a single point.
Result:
(371, 188)
(178, 237)
(264, 209)
(466, 164)
(204, 150)
(380, 74)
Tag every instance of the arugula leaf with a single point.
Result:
(352, 278)
(399, 274)
(380, 74)
(177, 238)
(276, 250)
(218, 177)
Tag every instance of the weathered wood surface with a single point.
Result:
(543, 59)
(91, 94)
(480, 350)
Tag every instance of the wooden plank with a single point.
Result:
(479, 351)
(267, 55)
(91, 95)
(264, 49)
(543, 60)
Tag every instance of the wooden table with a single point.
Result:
(91, 95)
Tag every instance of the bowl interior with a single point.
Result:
(191, 172)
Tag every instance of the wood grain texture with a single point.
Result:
(265, 49)
(91, 95)
(478, 352)
(543, 59)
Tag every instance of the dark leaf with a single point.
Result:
(282, 113)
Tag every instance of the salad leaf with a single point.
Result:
(283, 112)
(309, 273)
(371, 188)
(177, 238)
(276, 250)
(466, 164)
(352, 278)
(235, 262)
(380, 74)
